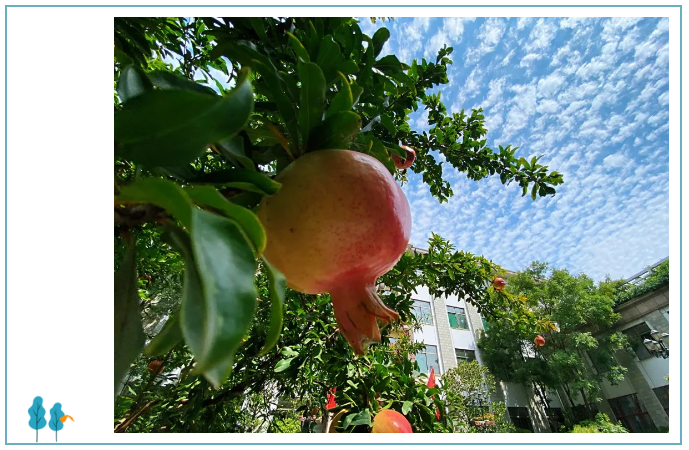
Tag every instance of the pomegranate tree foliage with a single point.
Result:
(584, 312)
(191, 165)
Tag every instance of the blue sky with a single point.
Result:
(589, 94)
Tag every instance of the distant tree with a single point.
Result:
(37, 415)
(581, 308)
(468, 389)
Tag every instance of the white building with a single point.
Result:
(451, 327)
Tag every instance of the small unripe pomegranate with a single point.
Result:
(498, 284)
(404, 163)
(389, 421)
(539, 341)
(155, 366)
(338, 222)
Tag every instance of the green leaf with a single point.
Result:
(312, 98)
(172, 128)
(233, 150)
(406, 407)
(328, 56)
(247, 180)
(257, 25)
(163, 193)
(387, 122)
(166, 339)
(347, 67)
(298, 47)
(379, 38)
(245, 219)
(276, 287)
(389, 65)
(283, 365)
(343, 100)
(336, 132)
(132, 83)
(287, 351)
(247, 55)
(379, 152)
(360, 418)
(129, 334)
(170, 82)
(534, 191)
(356, 93)
(218, 295)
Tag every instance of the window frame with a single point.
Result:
(462, 313)
(425, 352)
(417, 308)
(467, 359)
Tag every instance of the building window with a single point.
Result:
(520, 417)
(629, 410)
(422, 311)
(635, 336)
(465, 355)
(485, 323)
(458, 319)
(428, 358)
(663, 394)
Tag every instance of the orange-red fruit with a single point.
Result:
(539, 341)
(499, 284)
(155, 366)
(404, 163)
(338, 222)
(389, 421)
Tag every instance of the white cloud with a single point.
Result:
(541, 34)
(548, 86)
(523, 22)
(529, 59)
(548, 107)
(489, 36)
(454, 26)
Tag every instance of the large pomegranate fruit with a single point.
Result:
(539, 341)
(339, 222)
(389, 421)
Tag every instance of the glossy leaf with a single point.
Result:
(406, 407)
(129, 334)
(343, 100)
(219, 296)
(170, 81)
(246, 220)
(233, 151)
(336, 132)
(162, 193)
(312, 98)
(166, 339)
(283, 365)
(389, 65)
(172, 128)
(132, 83)
(276, 287)
(379, 38)
(298, 47)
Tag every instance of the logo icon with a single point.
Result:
(37, 417)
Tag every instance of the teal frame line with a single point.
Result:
(370, 6)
